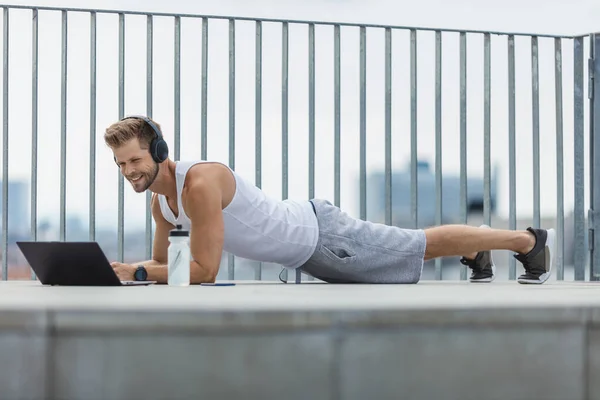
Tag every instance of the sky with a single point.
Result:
(550, 17)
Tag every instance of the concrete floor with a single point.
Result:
(264, 295)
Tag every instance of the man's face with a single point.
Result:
(136, 165)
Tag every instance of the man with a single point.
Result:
(224, 212)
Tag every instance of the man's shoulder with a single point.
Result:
(194, 165)
(206, 171)
(207, 176)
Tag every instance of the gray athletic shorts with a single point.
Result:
(351, 250)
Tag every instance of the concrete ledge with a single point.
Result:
(23, 320)
(150, 366)
(188, 321)
(258, 340)
(23, 365)
(464, 363)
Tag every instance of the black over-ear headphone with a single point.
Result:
(159, 150)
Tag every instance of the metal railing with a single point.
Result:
(410, 63)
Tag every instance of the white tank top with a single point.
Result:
(257, 227)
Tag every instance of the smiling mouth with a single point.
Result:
(136, 179)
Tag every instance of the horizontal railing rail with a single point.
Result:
(284, 20)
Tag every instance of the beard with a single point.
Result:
(146, 179)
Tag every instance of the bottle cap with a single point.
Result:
(179, 232)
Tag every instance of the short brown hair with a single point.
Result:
(123, 131)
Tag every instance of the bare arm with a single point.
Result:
(203, 205)
(157, 267)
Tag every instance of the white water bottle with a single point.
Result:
(179, 257)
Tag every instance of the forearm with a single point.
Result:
(160, 272)
(156, 270)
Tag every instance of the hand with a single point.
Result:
(124, 271)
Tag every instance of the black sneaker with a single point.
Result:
(538, 262)
(482, 266)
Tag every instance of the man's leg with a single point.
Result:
(464, 240)
(534, 247)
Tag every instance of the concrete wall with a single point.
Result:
(551, 353)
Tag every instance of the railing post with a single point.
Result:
(594, 97)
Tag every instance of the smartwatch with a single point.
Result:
(140, 273)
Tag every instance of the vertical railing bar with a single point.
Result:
(512, 170)
(34, 127)
(560, 208)
(337, 115)
(284, 108)
(536, 130)
(204, 124)
(311, 122)
(284, 118)
(438, 142)
(149, 93)
(311, 111)
(258, 106)
(93, 65)
(5, 150)
(258, 117)
(591, 223)
(121, 110)
(463, 138)
(63, 130)
(388, 126)
(579, 171)
(363, 123)
(414, 187)
(177, 89)
(230, 256)
(487, 132)
(258, 130)
(594, 131)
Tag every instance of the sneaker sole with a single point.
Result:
(491, 278)
(549, 253)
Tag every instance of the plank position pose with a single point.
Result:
(224, 212)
